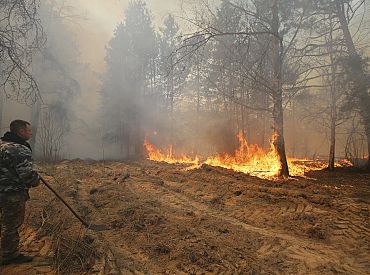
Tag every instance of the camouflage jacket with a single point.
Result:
(16, 170)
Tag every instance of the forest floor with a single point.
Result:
(165, 219)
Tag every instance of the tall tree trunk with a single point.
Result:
(35, 118)
(332, 136)
(198, 130)
(333, 100)
(121, 141)
(293, 130)
(242, 110)
(264, 122)
(1, 109)
(128, 139)
(172, 102)
(357, 73)
(139, 150)
(278, 119)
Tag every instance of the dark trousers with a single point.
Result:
(12, 211)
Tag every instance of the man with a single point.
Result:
(16, 177)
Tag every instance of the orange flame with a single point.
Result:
(248, 158)
(157, 155)
(343, 163)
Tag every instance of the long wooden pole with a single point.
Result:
(65, 203)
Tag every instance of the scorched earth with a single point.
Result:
(166, 219)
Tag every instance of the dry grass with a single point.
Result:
(72, 246)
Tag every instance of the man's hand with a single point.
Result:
(37, 183)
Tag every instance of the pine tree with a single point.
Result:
(126, 82)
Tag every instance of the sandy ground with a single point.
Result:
(165, 219)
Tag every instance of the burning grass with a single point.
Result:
(168, 156)
(248, 158)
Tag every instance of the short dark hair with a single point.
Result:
(17, 125)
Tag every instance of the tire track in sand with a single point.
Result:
(306, 252)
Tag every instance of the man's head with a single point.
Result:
(22, 128)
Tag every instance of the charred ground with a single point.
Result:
(166, 219)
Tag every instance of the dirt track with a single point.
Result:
(166, 220)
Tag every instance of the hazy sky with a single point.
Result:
(102, 16)
(100, 19)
